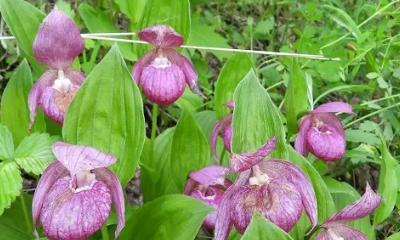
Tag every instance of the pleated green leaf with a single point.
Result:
(262, 229)
(6, 143)
(14, 111)
(170, 217)
(34, 153)
(234, 70)
(107, 113)
(10, 184)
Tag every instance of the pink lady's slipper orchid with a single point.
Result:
(73, 197)
(277, 189)
(334, 227)
(57, 43)
(208, 185)
(321, 132)
(222, 128)
(163, 73)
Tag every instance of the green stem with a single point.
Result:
(371, 114)
(380, 99)
(154, 116)
(26, 214)
(104, 233)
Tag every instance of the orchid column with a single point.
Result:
(57, 44)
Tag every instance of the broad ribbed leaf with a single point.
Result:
(262, 229)
(388, 184)
(10, 184)
(131, 8)
(296, 101)
(343, 195)
(257, 119)
(14, 224)
(98, 21)
(107, 114)
(23, 20)
(234, 70)
(34, 153)
(14, 111)
(175, 13)
(170, 217)
(189, 150)
(6, 144)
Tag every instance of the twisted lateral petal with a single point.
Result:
(341, 232)
(113, 184)
(161, 36)
(55, 104)
(285, 171)
(277, 201)
(58, 41)
(35, 95)
(74, 215)
(187, 68)
(326, 139)
(142, 63)
(223, 222)
(301, 139)
(78, 158)
(243, 161)
(359, 209)
(222, 127)
(211, 175)
(53, 172)
(333, 107)
(162, 82)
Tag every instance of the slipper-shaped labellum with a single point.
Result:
(74, 195)
(334, 227)
(222, 128)
(57, 43)
(277, 189)
(321, 132)
(208, 185)
(163, 73)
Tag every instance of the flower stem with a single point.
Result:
(104, 233)
(154, 116)
(26, 214)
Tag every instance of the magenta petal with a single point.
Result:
(77, 77)
(35, 95)
(112, 182)
(67, 214)
(326, 139)
(211, 175)
(222, 127)
(342, 232)
(359, 209)
(187, 68)
(212, 197)
(78, 158)
(162, 82)
(227, 136)
(243, 161)
(49, 105)
(58, 41)
(286, 171)
(334, 107)
(53, 172)
(301, 142)
(224, 222)
(141, 64)
(161, 36)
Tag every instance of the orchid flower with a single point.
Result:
(57, 43)
(74, 195)
(277, 189)
(163, 73)
(208, 185)
(222, 128)
(334, 227)
(321, 132)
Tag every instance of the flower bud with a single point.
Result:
(322, 133)
(74, 196)
(163, 73)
